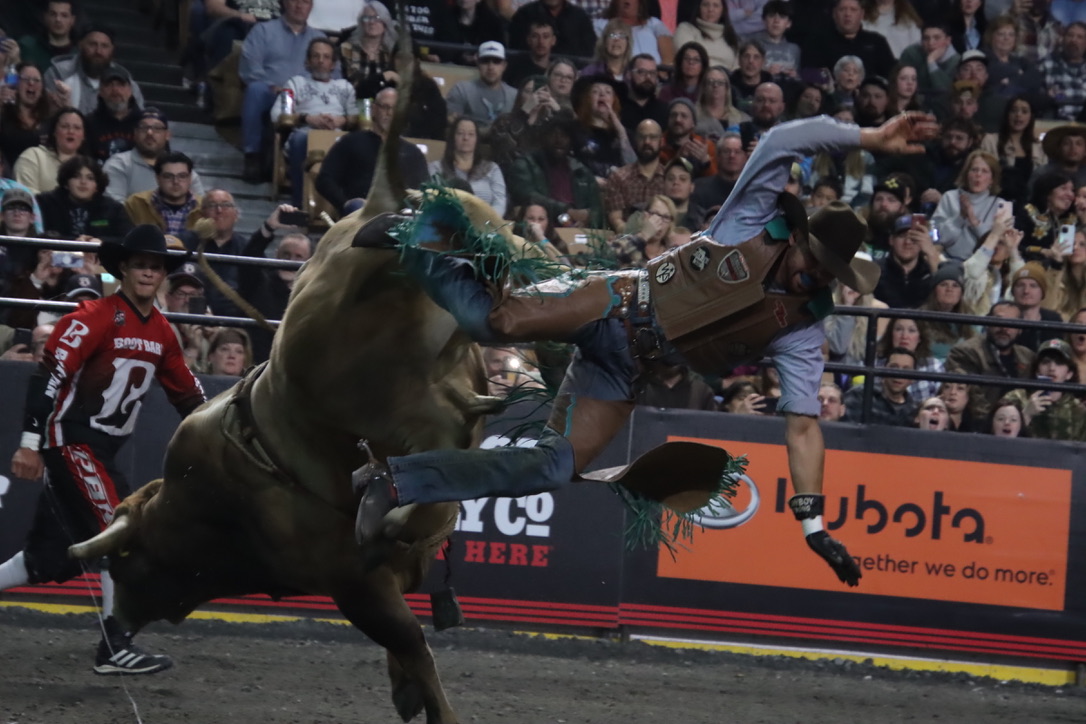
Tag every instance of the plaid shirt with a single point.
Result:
(627, 187)
(594, 8)
(174, 216)
(1068, 82)
(1036, 40)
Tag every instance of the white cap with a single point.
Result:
(492, 49)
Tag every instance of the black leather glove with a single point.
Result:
(809, 506)
(835, 553)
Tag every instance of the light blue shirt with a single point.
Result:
(1066, 12)
(796, 351)
(273, 53)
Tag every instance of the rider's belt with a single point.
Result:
(635, 311)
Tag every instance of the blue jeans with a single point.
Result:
(255, 105)
(296, 147)
(603, 369)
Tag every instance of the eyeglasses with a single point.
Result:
(186, 296)
(718, 83)
(383, 106)
(171, 177)
(657, 214)
(371, 19)
(17, 210)
(616, 36)
(154, 128)
(220, 206)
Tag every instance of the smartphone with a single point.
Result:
(919, 221)
(770, 405)
(68, 259)
(197, 305)
(1066, 240)
(294, 218)
(22, 336)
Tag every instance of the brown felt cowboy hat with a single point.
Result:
(834, 234)
(1052, 139)
(144, 239)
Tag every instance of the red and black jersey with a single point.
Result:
(97, 366)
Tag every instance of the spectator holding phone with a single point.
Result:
(78, 208)
(1051, 414)
(269, 289)
(44, 280)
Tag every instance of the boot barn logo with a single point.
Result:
(947, 530)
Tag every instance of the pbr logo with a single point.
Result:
(665, 272)
(733, 268)
(721, 514)
(700, 259)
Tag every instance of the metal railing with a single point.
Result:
(868, 369)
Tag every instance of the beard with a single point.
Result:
(881, 222)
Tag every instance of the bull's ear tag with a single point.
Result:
(445, 610)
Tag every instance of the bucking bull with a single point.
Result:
(257, 494)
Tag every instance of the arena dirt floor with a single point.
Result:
(307, 672)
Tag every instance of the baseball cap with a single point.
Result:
(83, 284)
(152, 113)
(974, 55)
(492, 49)
(892, 185)
(17, 196)
(116, 72)
(902, 224)
(876, 80)
(1056, 347)
(187, 273)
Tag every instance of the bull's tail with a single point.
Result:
(388, 189)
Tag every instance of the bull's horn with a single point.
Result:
(108, 541)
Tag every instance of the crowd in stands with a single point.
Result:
(629, 122)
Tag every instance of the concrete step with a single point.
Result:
(162, 93)
(152, 72)
(182, 112)
(201, 131)
(233, 183)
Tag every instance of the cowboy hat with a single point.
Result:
(1052, 139)
(834, 234)
(144, 239)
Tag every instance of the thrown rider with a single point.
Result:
(755, 284)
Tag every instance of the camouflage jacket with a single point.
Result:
(1065, 419)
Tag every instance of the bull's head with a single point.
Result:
(147, 561)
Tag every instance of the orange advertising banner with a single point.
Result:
(946, 530)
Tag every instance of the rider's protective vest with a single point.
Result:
(712, 304)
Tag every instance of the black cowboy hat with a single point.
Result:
(585, 82)
(834, 234)
(144, 239)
